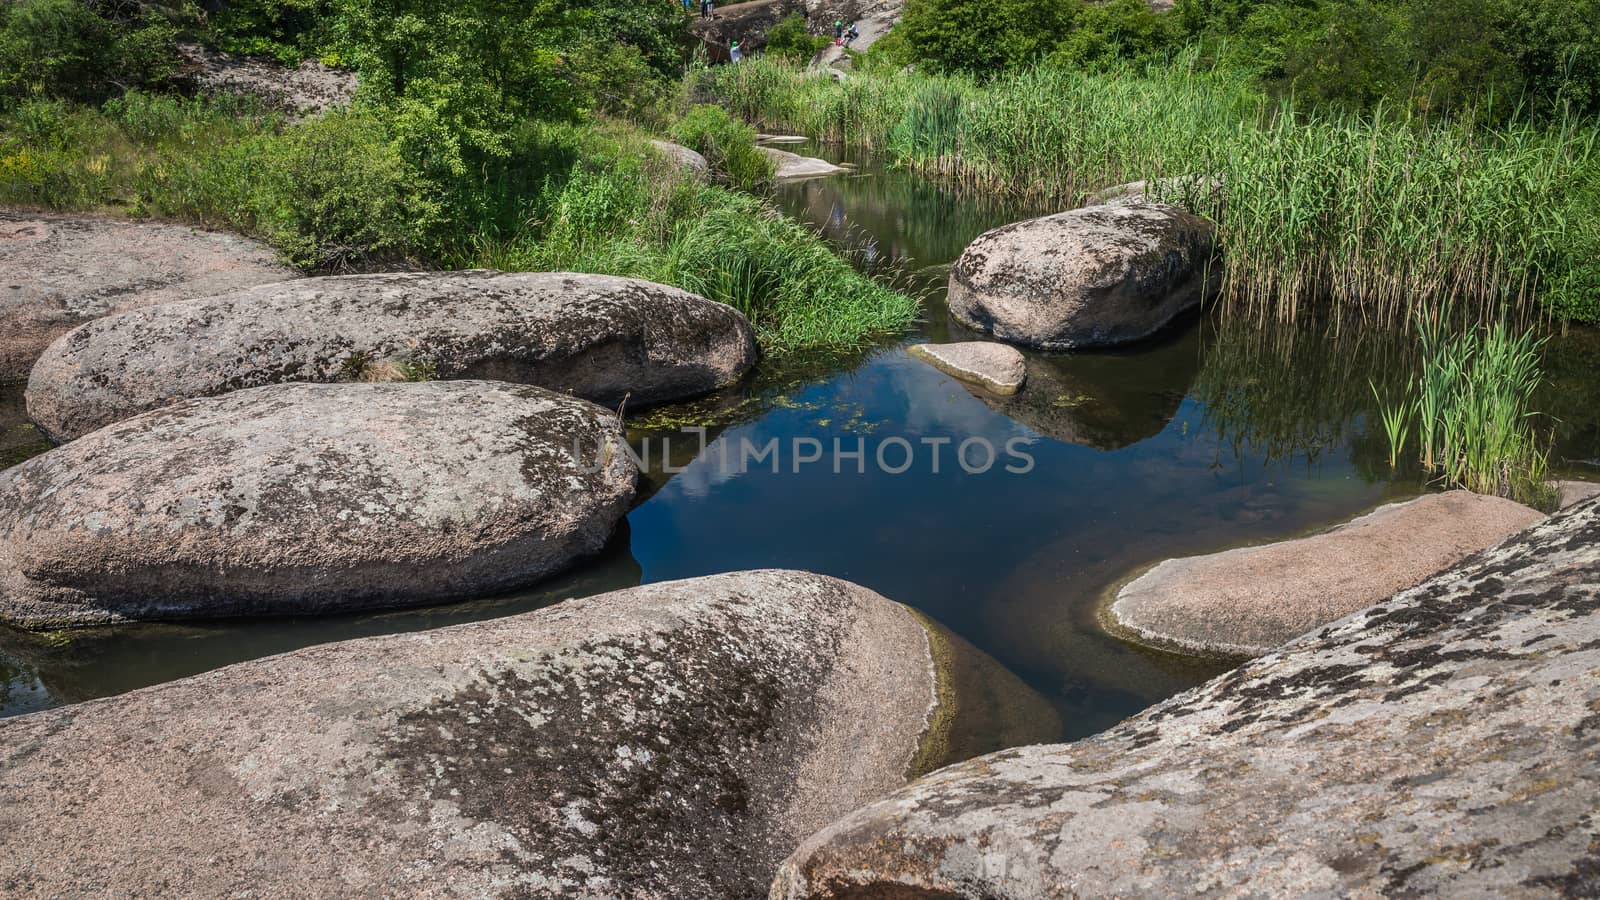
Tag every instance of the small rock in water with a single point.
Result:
(1250, 600)
(672, 740)
(997, 368)
(1092, 277)
(597, 336)
(310, 498)
(792, 167)
(1440, 743)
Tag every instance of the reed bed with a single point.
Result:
(1472, 409)
(1378, 217)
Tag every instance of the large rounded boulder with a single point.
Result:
(595, 336)
(671, 740)
(306, 498)
(57, 272)
(1092, 277)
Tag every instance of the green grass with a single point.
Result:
(335, 192)
(1377, 217)
(1472, 404)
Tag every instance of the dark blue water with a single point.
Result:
(1208, 438)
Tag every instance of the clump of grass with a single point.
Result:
(1472, 404)
(728, 145)
(1377, 217)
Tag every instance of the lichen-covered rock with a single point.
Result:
(686, 160)
(1091, 277)
(308, 498)
(595, 336)
(794, 167)
(1249, 600)
(997, 368)
(1441, 743)
(670, 740)
(57, 272)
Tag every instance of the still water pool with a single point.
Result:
(1208, 438)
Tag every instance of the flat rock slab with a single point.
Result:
(671, 740)
(1569, 493)
(793, 167)
(997, 368)
(305, 90)
(1441, 743)
(309, 498)
(1250, 600)
(57, 272)
(687, 161)
(594, 336)
(1092, 277)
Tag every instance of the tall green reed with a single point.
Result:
(1377, 217)
(1472, 403)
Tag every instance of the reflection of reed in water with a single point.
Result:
(1302, 392)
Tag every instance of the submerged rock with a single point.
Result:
(997, 368)
(671, 740)
(686, 160)
(1438, 743)
(1247, 601)
(596, 336)
(1092, 277)
(1105, 401)
(306, 498)
(57, 272)
(793, 167)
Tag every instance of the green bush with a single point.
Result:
(791, 40)
(728, 145)
(62, 49)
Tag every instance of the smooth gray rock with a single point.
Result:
(997, 368)
(1442, 743)
(1092, 277)
(686, 160)
(308, 498)
(595, 336)
(671, 740)
(1249, 600)
(57, 272)
(1569, 493)
(793, 167)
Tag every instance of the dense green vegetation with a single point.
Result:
(486, 133)
(1471, 411)
(1416, 57)
(1379, 216)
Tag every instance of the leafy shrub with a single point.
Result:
(335, 190)
(790, 40)
(62, 49)
(728, 145)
